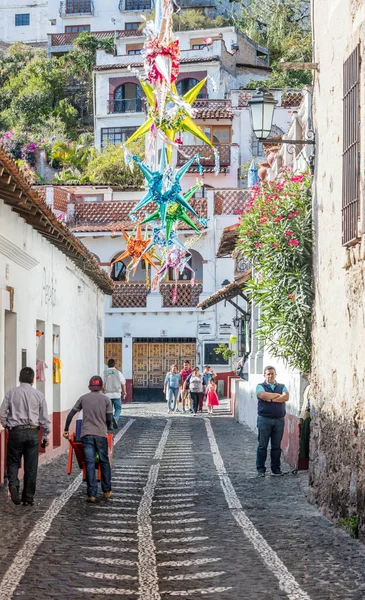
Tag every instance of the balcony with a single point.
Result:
(130, 105)
(136, 5)
(67, 39)
(208, 159)
(187, 294)
(71, 8)
(130, 295)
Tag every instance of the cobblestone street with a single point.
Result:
(188, 518)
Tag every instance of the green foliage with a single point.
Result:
(76, 154)
(351, 525)
(82, 59)
(283, 26)
(275, 234)
(192, 19)
(225, 351)
(108, 167)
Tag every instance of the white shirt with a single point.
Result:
(113, 395)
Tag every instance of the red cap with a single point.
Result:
(95, 383)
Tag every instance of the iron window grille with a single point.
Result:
(351, 148)
(136, 5)
(113, 136)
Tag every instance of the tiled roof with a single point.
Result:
(114, 215)
(228, 292)
(183, 61)
(213, 109)
(16, 192)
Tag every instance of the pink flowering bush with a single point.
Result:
(276, 234)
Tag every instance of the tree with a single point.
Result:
(109, 168)
(82, 58)
(76, 154)
(283, 26)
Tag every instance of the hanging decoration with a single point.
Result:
(169, 114)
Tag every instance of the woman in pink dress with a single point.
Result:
(212, 398)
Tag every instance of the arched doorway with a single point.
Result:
(128, 98)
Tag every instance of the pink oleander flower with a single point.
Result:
(293, 243)
(258, 244)
(288, 234)
(278, 219)
(291, 296)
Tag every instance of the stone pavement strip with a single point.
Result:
(188, 518)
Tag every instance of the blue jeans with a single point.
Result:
(117, 406)
(269, 429)
(93, 445)
(172, 396)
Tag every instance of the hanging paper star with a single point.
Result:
(137, 248)
(164, 187)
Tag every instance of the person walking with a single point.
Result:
(212, 397)
(96, 421)
(270, 420)
(23, 412)
(172, 388)
(196, 387)
(185, 372)
(208, 375)
(115, 389)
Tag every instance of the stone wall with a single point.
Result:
(337, 464)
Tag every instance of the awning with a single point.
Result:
(228, 292)
(228, 241)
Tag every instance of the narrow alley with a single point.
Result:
(188, 518)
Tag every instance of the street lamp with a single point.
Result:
(262, 106)
(236, 322)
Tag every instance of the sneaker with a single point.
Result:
(277, 473)
(28, 503)
(14, 495)
(177, 410)
(260, 473)
(115, 423)
(91, 499)
(108, 495)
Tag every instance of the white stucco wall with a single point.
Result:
(36, 31)
(49, 288)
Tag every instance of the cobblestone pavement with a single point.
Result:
(188, 519)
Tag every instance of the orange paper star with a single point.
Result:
(136, 249)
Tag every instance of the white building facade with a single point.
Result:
(52, 296)
(25, 22)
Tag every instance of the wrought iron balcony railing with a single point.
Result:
(76, 7)
(131, 105)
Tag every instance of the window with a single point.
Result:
(198, 46)
(22, 20)
(119, 271)
(138, 5)
(78, 7)
(132, 26)
(184, 85)
(351, 148)
(127, 99)
(133, 52)
(218, 135)
(112, 136)
(211, 358)
(257, 148)
(94, 198)
(76, 28)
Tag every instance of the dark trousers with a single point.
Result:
(23, 443)
(93, 445)
(269, 429)
(195, 396)
(201, 402)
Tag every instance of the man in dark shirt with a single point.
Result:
(97, 419)
(270, 421)
(23, 412)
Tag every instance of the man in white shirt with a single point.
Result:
(115, 389)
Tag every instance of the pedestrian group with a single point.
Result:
(25, 416)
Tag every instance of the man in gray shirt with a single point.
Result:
(23, 412)
(97, 419)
